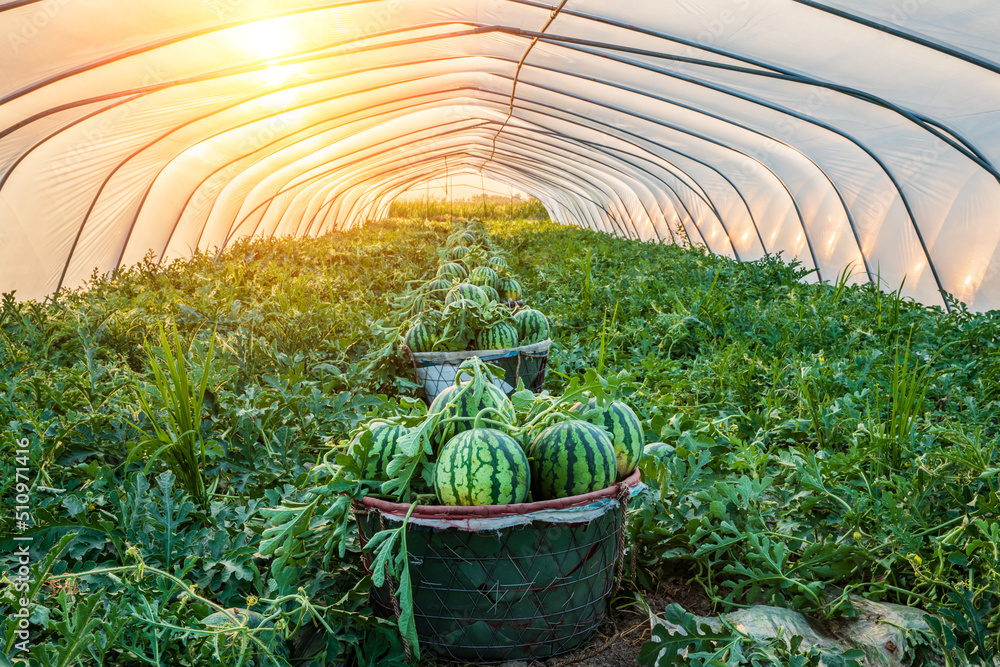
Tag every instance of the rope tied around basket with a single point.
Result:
(623, 496)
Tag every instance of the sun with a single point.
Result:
(264, 40)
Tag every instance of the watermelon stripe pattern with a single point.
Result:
(384, 446)
(626, 432)
(497, 263)
(531, 325)
(481, 467)
(420, 338)
(467, 291)
(570, 458)
(438, 289)
(453, 271)
(510, 289)
(484, 275)
(461, 401)
(500, 336)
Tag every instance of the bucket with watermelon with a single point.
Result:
(516, 540)
(473, 306)
(471, 323)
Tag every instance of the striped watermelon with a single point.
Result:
(467, 291)
(421, 337)
(458, 252)
(491, 293)
(531, 325)
(510, 289)
(484, 275)
(438, 288)
(384, 445)
(467, 237)
(462, 304)
(498, 264)
(500, 336)
(570, 458)
(660, 451)
(481, 466)
(461, 401)
(625, 429)
(452, 271)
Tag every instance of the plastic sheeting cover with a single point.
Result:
(862, 134)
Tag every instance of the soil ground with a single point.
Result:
(619, 639)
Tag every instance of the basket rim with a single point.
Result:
(494, 511)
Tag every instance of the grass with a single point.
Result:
(832, 440)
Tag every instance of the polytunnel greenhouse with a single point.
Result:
(700, 367)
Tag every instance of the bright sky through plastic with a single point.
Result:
(863, 136)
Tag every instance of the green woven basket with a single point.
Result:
(512, 582)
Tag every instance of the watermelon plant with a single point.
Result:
(461, 403)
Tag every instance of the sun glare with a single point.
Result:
(265, 40)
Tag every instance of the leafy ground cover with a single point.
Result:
(829, 440)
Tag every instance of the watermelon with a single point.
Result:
(453, 271)
(437, 289)
(461, 401)
(421, 337)
(467, 237)
(384, 445)
(498, 264)
(500, 336)
(660, 451)
(531, 325)
(481, 466)
(570, 458)
(458, 252)
(491, 293)
(462, 304)
(484, 275)
(624, 427)
(467, 291)
(510, 289)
